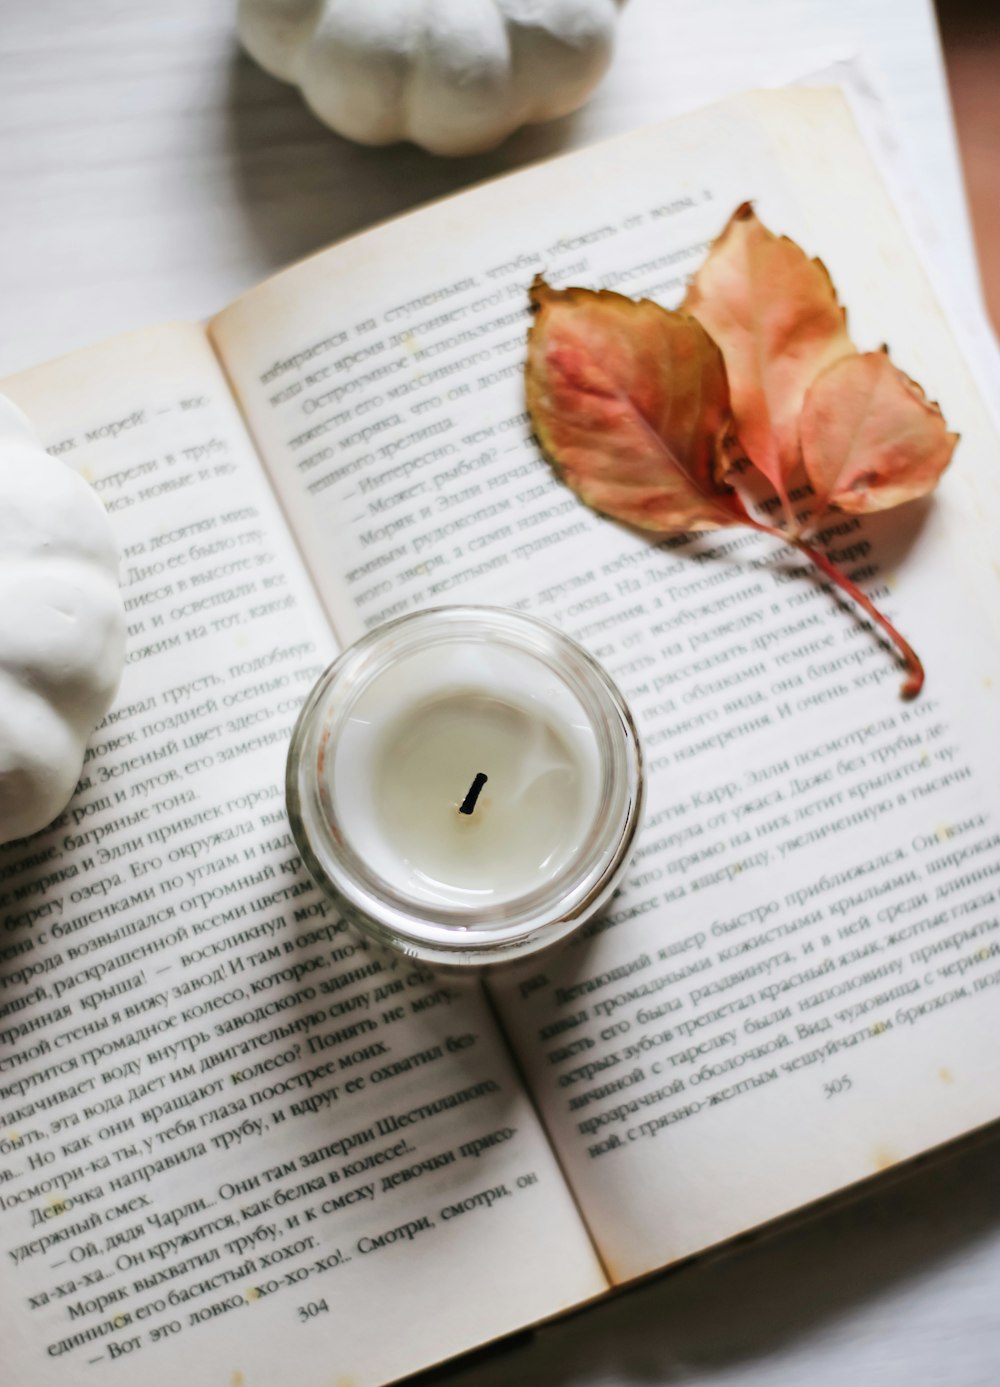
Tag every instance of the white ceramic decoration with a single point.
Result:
(456, 76)
(62, 626)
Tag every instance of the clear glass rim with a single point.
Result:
(433, 933)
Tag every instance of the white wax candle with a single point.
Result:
(466, 784)
(415, 742)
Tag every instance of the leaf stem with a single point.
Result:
(914, 680)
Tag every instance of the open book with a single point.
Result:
(239, 1144)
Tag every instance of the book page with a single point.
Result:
(234, 1141)
(797, 986)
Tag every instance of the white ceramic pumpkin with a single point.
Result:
(456, 76)
(62, 626)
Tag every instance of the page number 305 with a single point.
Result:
(838, 1086)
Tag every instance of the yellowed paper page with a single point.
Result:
(235, 1143)
(797, 988)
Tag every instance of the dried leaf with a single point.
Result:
(630, 402)
(633, 405)
(774, 313)
(870, 437)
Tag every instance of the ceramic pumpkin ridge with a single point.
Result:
(454, 76)
(62, 626)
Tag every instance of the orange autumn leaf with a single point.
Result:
(646, 413)
(630, 403)
(870, 437)
(775, 315)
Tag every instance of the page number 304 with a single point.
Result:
(314, 1308)
(837, 1086)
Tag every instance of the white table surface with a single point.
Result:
(150, 172)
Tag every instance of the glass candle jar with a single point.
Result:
(465, 784)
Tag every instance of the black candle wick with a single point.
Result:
(469, 803)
